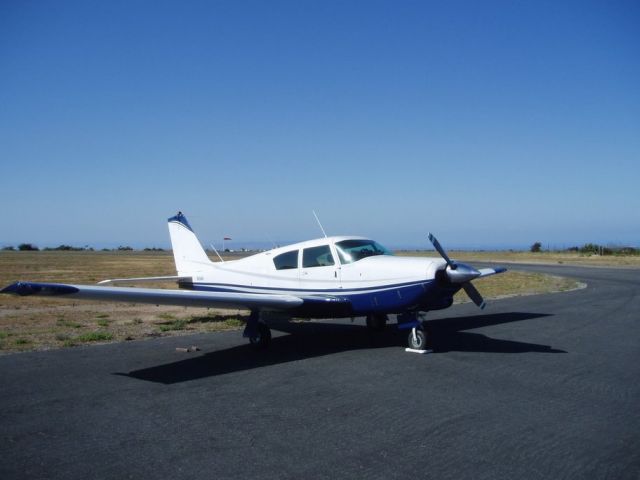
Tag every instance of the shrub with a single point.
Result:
(536, 247)
(594, 248)
(95, 337)
(175, 325)
(68, 248)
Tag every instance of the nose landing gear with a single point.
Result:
(418, 339)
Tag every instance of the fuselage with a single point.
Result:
(355, 269)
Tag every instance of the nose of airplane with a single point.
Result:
(460, 273)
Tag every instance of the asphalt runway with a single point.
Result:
(532, 387)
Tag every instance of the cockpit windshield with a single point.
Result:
(351, 251)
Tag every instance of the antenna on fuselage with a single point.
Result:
(273, 244)
(214, 249)
(319, 224)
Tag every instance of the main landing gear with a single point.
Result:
(258, 332)
(376, 322)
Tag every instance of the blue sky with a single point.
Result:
(491, 124)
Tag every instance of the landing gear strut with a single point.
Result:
(257, 331)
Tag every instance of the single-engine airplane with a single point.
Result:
(331, 277)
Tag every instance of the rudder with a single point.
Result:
(188, 254)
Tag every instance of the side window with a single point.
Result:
(317, 257)
(287, 260)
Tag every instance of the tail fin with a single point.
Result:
(188, 254)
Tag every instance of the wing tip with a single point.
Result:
(13, 288)
(31, 288)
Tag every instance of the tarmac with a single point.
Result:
(536, 387)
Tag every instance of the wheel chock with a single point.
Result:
(413, 350)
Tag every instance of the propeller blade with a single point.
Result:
(474, 294)
(443, 254)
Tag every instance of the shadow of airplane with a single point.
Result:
(449, 334)
(311, 339)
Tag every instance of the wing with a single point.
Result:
(485, 272)
(157, 296)
(169, 278)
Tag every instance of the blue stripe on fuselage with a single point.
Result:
(381, 299)
(230, 287)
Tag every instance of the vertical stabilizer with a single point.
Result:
(188, 254)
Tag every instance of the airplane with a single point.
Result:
(330, 277)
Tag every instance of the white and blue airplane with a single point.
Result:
(331, 277)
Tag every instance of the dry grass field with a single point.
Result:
(30, 323)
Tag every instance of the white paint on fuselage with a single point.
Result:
(257, 272)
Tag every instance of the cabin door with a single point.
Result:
(319, 269)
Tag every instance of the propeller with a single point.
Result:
(441, 251)
(460, 273)
(474, 294)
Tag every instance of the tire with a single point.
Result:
(263, 339)
(376, 323)
(419, 342)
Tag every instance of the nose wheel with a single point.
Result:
(417, 339)
(414, 322)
